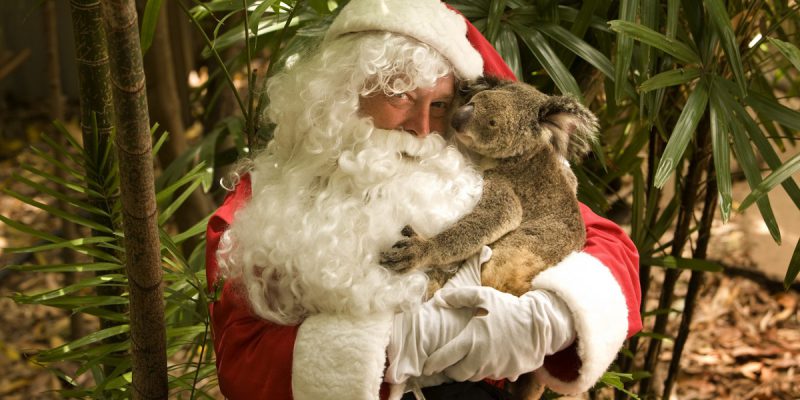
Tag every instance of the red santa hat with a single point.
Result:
(431, 22)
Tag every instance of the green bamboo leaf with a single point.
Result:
(777, 177)
(722, 22)
(85, 341)
(57, 212)
(169, 210)
(258, 12)
(60, 196)
(721, 152)
(320, 6)
(265, 26)
(79, 267)
(80, 303)
(571, 15)
(28, 230)
(650, 37)
(149, 23)
(674, 77)
(66, 134)
(473, 10)
(624, 51)
(758, 138)
(96, 355)
(56, 147)
(560, 75)
(672, 18)
(579, 47)
(693, 264)
(160, 141)
(186, 331)
(57, 164)
(207, 148)
(189, 177)
(794, 267)
(62, 182)
(508, 47)
(790, 51)
(773, 110)
(76, 245)
(195, 230)
(85, 283)
(682, 134)
(204, 9)
(747, 160)
(496, 9)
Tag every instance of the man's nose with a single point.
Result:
(418, 122)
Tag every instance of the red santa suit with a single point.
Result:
(257, 359)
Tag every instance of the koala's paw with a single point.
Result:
(406, 254)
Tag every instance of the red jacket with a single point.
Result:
(254, 357)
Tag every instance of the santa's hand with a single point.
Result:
(509, 335)
(418, 333)
(469, 273)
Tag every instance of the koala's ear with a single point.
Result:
(573, 127)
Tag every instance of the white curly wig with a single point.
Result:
(331, 190)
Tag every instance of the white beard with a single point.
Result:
(310, 243)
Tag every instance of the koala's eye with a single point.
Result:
(492, 123)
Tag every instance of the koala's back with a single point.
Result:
(550, 229)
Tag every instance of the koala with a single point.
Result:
(528, 212)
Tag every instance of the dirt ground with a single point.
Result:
(745, 341)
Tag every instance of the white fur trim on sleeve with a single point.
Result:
(599, 312)
(340, 357)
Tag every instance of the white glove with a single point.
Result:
(511, 338)
(418, 333)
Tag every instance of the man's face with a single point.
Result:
(418, 112)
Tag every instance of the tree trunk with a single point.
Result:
(97, 113)
(56, 110)
(137, 185)
(184, 48)
(166, 109)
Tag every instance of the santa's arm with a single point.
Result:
(601, 287)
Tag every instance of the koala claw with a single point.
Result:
(408, 231)
(406, 254)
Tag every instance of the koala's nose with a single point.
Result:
(461, 117)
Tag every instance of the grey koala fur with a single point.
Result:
(528, 211)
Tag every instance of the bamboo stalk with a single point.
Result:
(137, 185)
(697, 277)
(688, 200)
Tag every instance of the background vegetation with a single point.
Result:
(692, 96)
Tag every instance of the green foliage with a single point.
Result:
(661, 76)
(102, 354)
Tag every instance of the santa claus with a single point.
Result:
(306, 311)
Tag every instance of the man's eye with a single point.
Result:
(439, 109)
(399, 96)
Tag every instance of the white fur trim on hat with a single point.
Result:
(340, 357)
(599, 311)
(428, 21)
